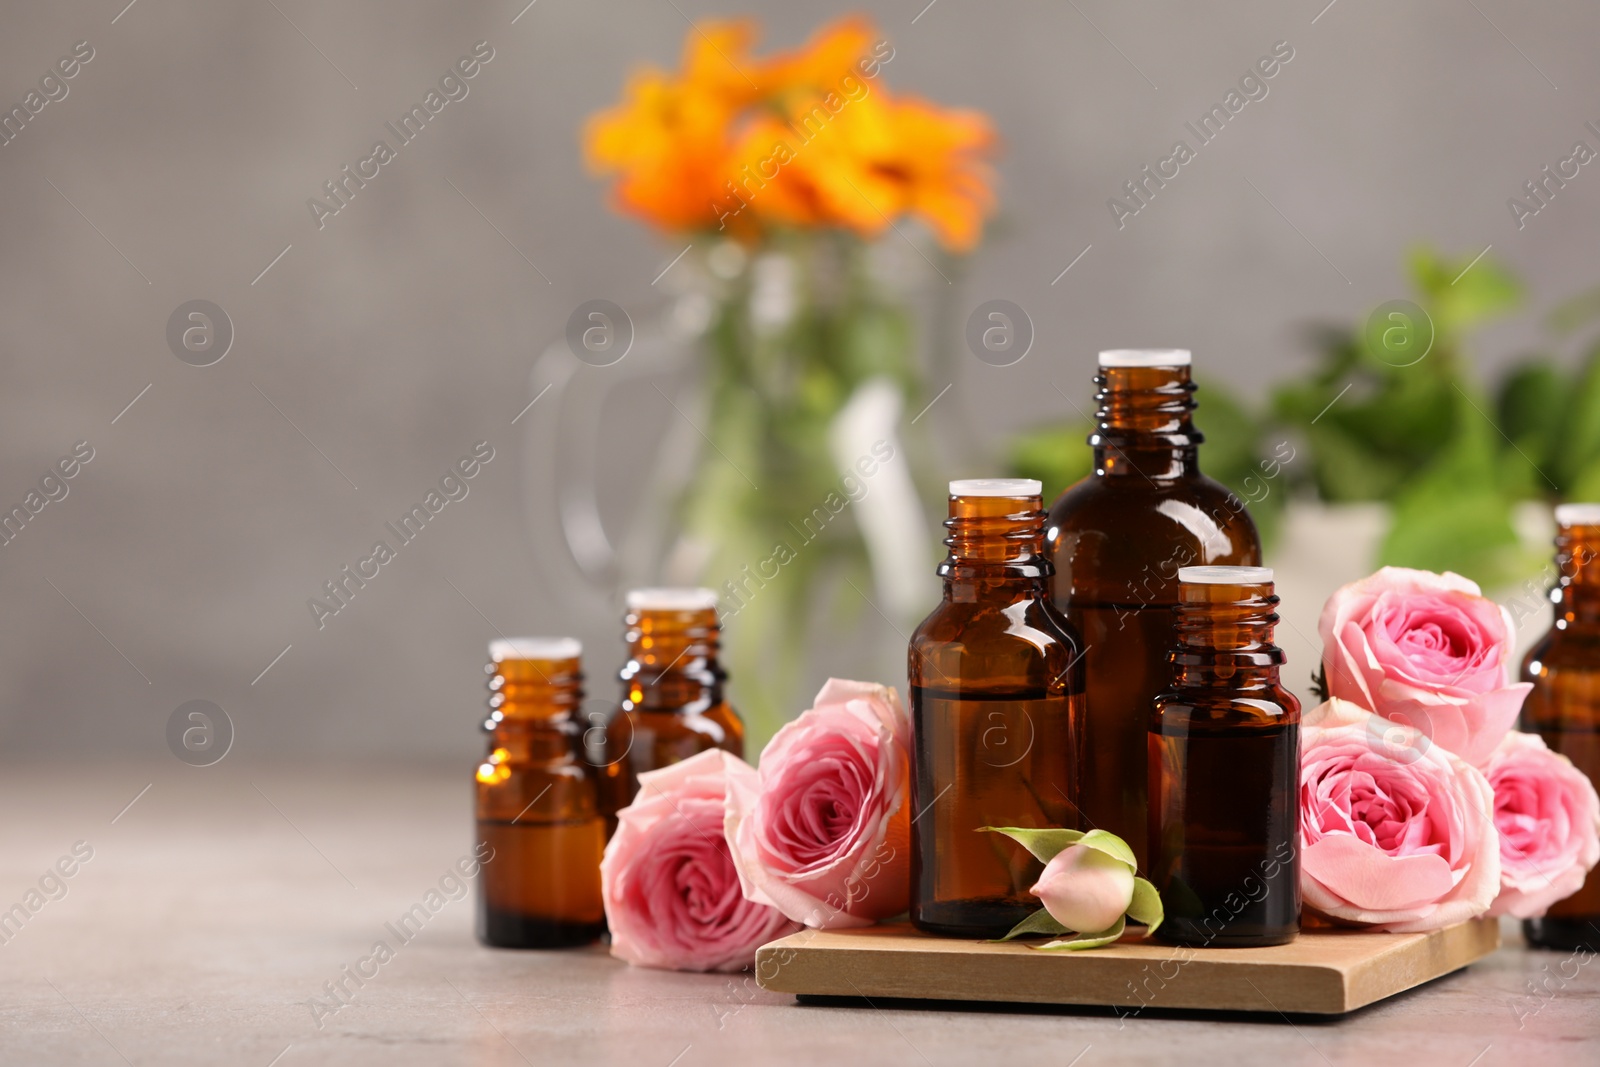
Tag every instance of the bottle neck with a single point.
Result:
(1577, 592)
(1224, 637)
(531, 704)
(996, 548)
(1145, 424)
(673, 664)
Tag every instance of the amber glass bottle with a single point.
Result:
(996, 706)
(1117, 539)
(672, 692)
(538, 805)
(1564, 705)
(1224, 769)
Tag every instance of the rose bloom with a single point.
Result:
(671, 894)
(1395, 831)
(1427, 650)
(1549, 822)
(823, 832)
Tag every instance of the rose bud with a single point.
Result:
(1084, 889)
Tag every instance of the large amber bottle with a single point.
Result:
(1117, 539)
(672, 692)
(996, 706)
(1564, 705)
(538, 806)
(1224, 769)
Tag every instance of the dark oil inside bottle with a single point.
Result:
(990, 759)
(538, 891)
(1229, 823)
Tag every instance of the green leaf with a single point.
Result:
(1044, 844)
(1112, 845)
(1146, 906)
(1083, 941)
(1040, 922)
(1057, 455)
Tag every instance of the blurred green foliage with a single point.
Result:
(1392, 411)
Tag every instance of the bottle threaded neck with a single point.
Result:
(996, 535)
(533, 689)
(1143, 408)
(1577, 591)
(672, 657)
(1224, 630)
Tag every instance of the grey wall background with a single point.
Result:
(406, 330)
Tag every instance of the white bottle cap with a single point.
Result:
(1578, 514)
(996, 487)
(685, 599)
(505, 648)
(1225, 575)
(1145, 357)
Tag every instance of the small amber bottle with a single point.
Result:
(996, 706)
(672, 692)
(538, 806)
(1224, 769)
(1564, 705)
(1117, 539)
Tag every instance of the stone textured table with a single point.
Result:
(223, 899)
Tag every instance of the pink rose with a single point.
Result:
(1395, 832)
(671, 894)
(823, 832)
(1426, 650)
(1084, 889)
(1549, 822)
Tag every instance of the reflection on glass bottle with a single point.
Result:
(996, 705)
(537, 805)
(1117, 539)
(1564, 705)
(673, 705)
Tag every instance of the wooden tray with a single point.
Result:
(1321, 972)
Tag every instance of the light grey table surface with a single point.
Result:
(224, 898)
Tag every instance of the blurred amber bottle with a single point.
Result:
(1224, 769)
(672, 692)
(997, 708)
(538, 806)
(1564, 705)
(1117, 539)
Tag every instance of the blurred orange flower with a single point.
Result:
(803, 138)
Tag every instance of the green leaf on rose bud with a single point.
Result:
(1111, 845)
(1044, 844)
(1146, 906)
(1083, 941)
(1040, 922)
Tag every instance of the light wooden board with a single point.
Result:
(1321, 972)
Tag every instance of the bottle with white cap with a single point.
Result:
(996, 705)
(673, 702)
(1117, 539)
(1564, 705)
(540, 831)
(1224, 769)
